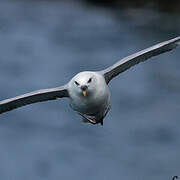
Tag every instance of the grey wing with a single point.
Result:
(33, 97)
(138, 57)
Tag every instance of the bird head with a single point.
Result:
(83, 84)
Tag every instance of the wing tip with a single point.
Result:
(176, 40)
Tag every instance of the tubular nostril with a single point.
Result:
(84, 87)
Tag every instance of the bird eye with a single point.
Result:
(90, 79)
(76, 83)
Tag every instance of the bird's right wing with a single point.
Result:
(33, 97)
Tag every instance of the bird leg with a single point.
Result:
(88, 118)
(95, 119)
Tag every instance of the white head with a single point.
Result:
(85, 84)
(88, 92)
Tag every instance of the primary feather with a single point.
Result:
(138, 57)
(33, 97)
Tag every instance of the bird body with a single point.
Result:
(97, 100)
(88, 91)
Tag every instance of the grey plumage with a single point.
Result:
(33, 97)
(138, 57)
(88, 91)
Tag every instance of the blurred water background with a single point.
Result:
(43, 44)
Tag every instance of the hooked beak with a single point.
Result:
(84, 90)
(84, 93)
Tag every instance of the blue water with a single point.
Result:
(43, 44)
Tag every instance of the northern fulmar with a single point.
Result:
(88, 91)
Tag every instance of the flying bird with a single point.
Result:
(88, 91)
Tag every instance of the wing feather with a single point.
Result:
(33, 97)
(138, 57)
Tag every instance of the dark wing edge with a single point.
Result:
(129, 61)
(33, 97)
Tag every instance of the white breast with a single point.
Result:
(98, 98)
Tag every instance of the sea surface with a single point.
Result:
(43, 44)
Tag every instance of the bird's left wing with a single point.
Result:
(138, 57)
(33, 97)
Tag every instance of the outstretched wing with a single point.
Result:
(33, 97)
(138, 57)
